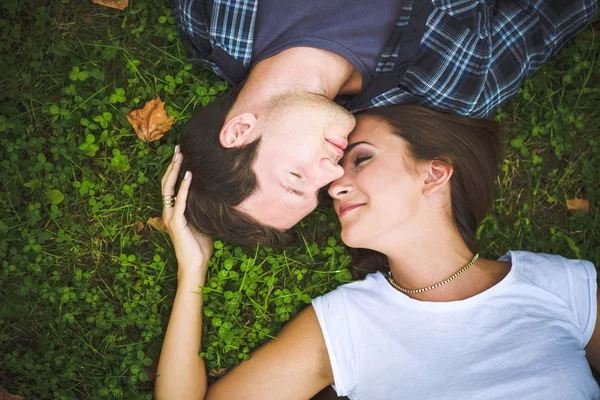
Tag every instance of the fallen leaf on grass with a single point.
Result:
(578, 205)
(217, 372)
(152, 370)
(151, 122)
(157, 223)
(118, 4)
(138, 227)
(4, 395)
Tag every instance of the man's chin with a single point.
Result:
(281, 224)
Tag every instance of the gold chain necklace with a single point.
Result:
(413, 291)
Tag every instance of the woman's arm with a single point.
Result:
(181, 373)
(293, 366)
(592, 349)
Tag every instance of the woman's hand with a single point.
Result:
(181, 373)
(192, 248)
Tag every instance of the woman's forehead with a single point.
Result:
(376, 132)
(369, 126)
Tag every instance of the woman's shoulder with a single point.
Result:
(549, 271)
(355, 291)
(370, 283)
(529, 256)
(526, 260)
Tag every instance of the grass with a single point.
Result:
(86, 285)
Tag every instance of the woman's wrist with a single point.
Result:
(191, 278)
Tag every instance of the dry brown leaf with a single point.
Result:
(157, 223)
(138, 227)
(217, 372)
(578, 205)
(118, 4)
(151, 122)
(4, 395)
(152, 370)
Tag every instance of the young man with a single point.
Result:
(260, 153)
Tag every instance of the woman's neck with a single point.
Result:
(427, 258)
(431, 255)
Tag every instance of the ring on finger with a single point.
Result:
(168, 201)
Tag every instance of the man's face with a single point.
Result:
(301, 144)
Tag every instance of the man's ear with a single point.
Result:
(438, 174)
(238, 131)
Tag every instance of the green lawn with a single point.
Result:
(86, 285)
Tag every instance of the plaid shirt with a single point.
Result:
(461, 56)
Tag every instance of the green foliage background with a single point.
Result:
(85, 296)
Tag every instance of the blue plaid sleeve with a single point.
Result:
(474, 55)
(191, 21)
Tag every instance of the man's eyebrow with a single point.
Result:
(291, 190)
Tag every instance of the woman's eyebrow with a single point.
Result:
(353, 145)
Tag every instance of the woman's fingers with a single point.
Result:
(180, 202)
(170, 167)
(168, 182)
(170, 178)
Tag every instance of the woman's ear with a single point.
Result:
(238, 130)
(438, 173)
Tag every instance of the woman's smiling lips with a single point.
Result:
(347, 207)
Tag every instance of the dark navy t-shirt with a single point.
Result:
(357, 30)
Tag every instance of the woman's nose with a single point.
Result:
(340, 187)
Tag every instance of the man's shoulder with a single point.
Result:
(214, 35)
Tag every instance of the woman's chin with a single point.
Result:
(350, 239)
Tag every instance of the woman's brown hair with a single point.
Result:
(471, 146)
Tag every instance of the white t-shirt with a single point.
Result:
(523, 338)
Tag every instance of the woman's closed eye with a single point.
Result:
(360, 159)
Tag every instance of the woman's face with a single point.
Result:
(380, 194)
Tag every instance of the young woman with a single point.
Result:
(432, 320)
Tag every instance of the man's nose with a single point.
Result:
(328, 173)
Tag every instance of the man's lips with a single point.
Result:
(338, 145)
(346, 208)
